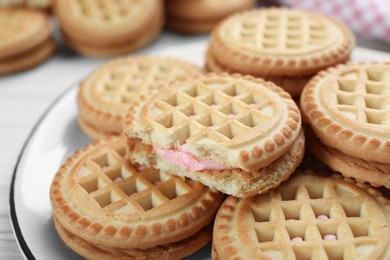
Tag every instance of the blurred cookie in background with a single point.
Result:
(106, 95)
(200, 16)
(283, 45)
(109, 28)
(25, 39)
(39, 4)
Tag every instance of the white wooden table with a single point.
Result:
(25, 96)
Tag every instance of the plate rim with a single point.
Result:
(25, 249)
(18, 234)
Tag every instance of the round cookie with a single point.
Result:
(280, 42)
(107, 202)
(105, 96)
(26, 39)
(237, 134)
(200, 16)
(105, 28)
(348, 108)
(306, 217)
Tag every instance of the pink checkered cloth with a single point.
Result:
(368, 17)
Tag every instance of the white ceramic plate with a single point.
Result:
(55, 137)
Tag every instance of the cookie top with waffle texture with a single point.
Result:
(112, 21)
(238, 121)
(348, 107)
(105, 95)
(307, 217)
(115, 85)
(280, 42)
(106, 201)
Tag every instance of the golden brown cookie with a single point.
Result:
(102, 199)
(293, 85)
(224, 126)
(280, 42)
(26, 39)
(348, 109)
(306, 217)
(200, 16)
(106, 28)
(176, 250)
(376, 174)
(105, 95)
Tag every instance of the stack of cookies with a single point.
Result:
(105, 95)
(107, 208)
(26, 39)
(107, 28)
(200, 16)
(286, 46)
(347, 109)
(239, 135)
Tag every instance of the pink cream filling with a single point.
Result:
(183, 158)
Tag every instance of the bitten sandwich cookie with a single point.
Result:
(188, 16)
(237, 134)
(105, 207)
(26, 39)
(278, 43)
(108, 28)
(347, 108)
(105, 96)
(306, 217)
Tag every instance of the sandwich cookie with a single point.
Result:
(235, 133)
(39, 4)
(279, 43)
(348, 109)
(307, 217)
(105, 95)
(105, 207)
(109, 28)
(200, 16)
(26, 39)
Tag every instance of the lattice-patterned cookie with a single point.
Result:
(237, 121)
(280, 42)
(105, 96)
(108, 202)
(26, 39)
(190, 16)
(102, 28)
(348, 107)
(307, 217)
(235, 133)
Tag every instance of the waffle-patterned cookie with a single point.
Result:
(176, 250)
(190, 16)
(348, 107)
(105, 96)
(101, 28)
(307, 217)
(237, 121)
(108, 202)
(280, 42)
(26, 39)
